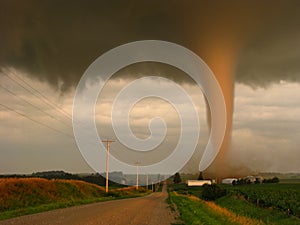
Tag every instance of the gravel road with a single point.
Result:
(151, 209)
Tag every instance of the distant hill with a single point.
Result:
(94, 178)
(56, 175)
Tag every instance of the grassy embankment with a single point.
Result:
(238, 206)
(21, 196)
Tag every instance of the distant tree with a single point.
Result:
(257, 181)
(275, 180)
(95, 179)
(200, 176)
(177, 178)
(212, 192)
(272, 180)
(55, 175)
(241, 181)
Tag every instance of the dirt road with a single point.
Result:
(151, 209)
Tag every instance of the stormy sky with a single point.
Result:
(49, 45)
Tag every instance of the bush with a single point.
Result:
(272, 180)
(177, 178)
(212, 192)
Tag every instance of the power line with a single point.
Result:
(40, 96)
(33, 120)
(37, 94)
(43, 96)
(36, 107)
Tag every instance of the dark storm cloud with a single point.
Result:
(274, 54)
(57, 40)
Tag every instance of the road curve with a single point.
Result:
(150, 210)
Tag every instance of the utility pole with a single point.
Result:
(107, 141)
(137, 175)
(147, 182)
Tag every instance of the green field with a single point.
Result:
(284, 197)
(261, 203)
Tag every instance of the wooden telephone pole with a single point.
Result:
(107, 141)
(137, 175)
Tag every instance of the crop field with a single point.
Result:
(254, 203)
(284, 197)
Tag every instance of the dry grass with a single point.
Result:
(25, 192)
(230, 215)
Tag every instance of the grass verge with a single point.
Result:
(195, 211)
(46, 207)
(23, 196)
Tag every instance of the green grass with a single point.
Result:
(194, 212)
(184, 189)
(290, 181)
(241, 200)
(46, 207)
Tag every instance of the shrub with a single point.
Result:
(212, 192)
(177, 178)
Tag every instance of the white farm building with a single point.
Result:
(198, 182)
(228, 180)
